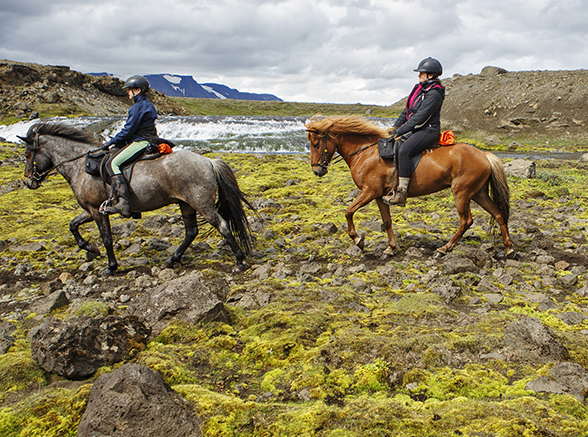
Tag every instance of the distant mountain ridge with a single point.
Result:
(185, 86)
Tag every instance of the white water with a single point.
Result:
(217, 133)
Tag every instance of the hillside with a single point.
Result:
(524, 104)
(547, 103)
(33, 90)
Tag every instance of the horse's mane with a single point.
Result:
(337, 125)
(61, 130)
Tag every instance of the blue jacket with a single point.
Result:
(140, 124)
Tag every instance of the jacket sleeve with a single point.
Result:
(431, 103)
(401, 118)
(130, 127)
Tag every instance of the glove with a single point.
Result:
(107, 145)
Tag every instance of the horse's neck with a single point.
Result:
(351, 144)
(62, 151)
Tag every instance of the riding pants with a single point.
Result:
(127, 154)
(416, 143)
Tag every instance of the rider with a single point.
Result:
(419, 124)
(136, 134)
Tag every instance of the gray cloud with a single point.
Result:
(301, 50)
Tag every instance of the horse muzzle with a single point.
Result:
(31, 183)
(320, 171)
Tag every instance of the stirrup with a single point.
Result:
(104, 205)
(398, 198)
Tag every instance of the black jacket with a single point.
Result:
(423, 108)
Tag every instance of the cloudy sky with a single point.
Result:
(339, 51)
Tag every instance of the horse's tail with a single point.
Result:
(230, 204)
(499, 186)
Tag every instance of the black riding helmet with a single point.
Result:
(137, 82)
(430, 66)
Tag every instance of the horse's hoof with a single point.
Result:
(94, 249)
(439, 254)
(169, 263)
(360, 243)
(385, 256)
(240, 267)
(108, 271)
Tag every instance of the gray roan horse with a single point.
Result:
(196, 183)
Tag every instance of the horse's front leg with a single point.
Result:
(103, 223)
(362, 199)
(387, 220)
(74, 226)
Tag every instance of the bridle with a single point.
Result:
(325, 158)
(35, 175)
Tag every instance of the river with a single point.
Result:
(243, 134)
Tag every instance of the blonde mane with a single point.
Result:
(336, 125)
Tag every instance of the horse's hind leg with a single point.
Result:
(191, 231)
(214, 218)
(462, 204)
(483, 199)
(74, 225)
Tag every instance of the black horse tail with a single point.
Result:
(499, 186)
(230, 204)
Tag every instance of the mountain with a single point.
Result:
(185, 86)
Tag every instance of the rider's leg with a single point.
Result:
(120, 186)
(416, 143)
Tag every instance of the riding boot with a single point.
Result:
(398, 198)
(121, 191)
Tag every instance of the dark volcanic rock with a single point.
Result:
(135, 401)
(565, 378)
(185, 298)
(76, 348)
(530, 341)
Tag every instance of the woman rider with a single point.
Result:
(136, 134)
(419, 123)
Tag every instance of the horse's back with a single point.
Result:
(440, 167)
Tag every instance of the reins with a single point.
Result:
(38, 177)
(325, 160)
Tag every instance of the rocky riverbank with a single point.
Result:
(317, 337)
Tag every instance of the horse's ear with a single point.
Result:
(24, 139)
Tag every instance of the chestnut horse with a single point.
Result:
(468, 171)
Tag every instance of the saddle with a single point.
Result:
(389, 148)
(96, 162)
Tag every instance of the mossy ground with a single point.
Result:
(320, 359)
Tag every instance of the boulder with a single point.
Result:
(185, 298)
(6, 341)
(565, 378)
(135, 401)
(77, 347)
(454, 263)
(521, 168)
(531, 342)
(46, 305)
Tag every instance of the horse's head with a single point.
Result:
(37, 162)
(322, 149)
(44, 140)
